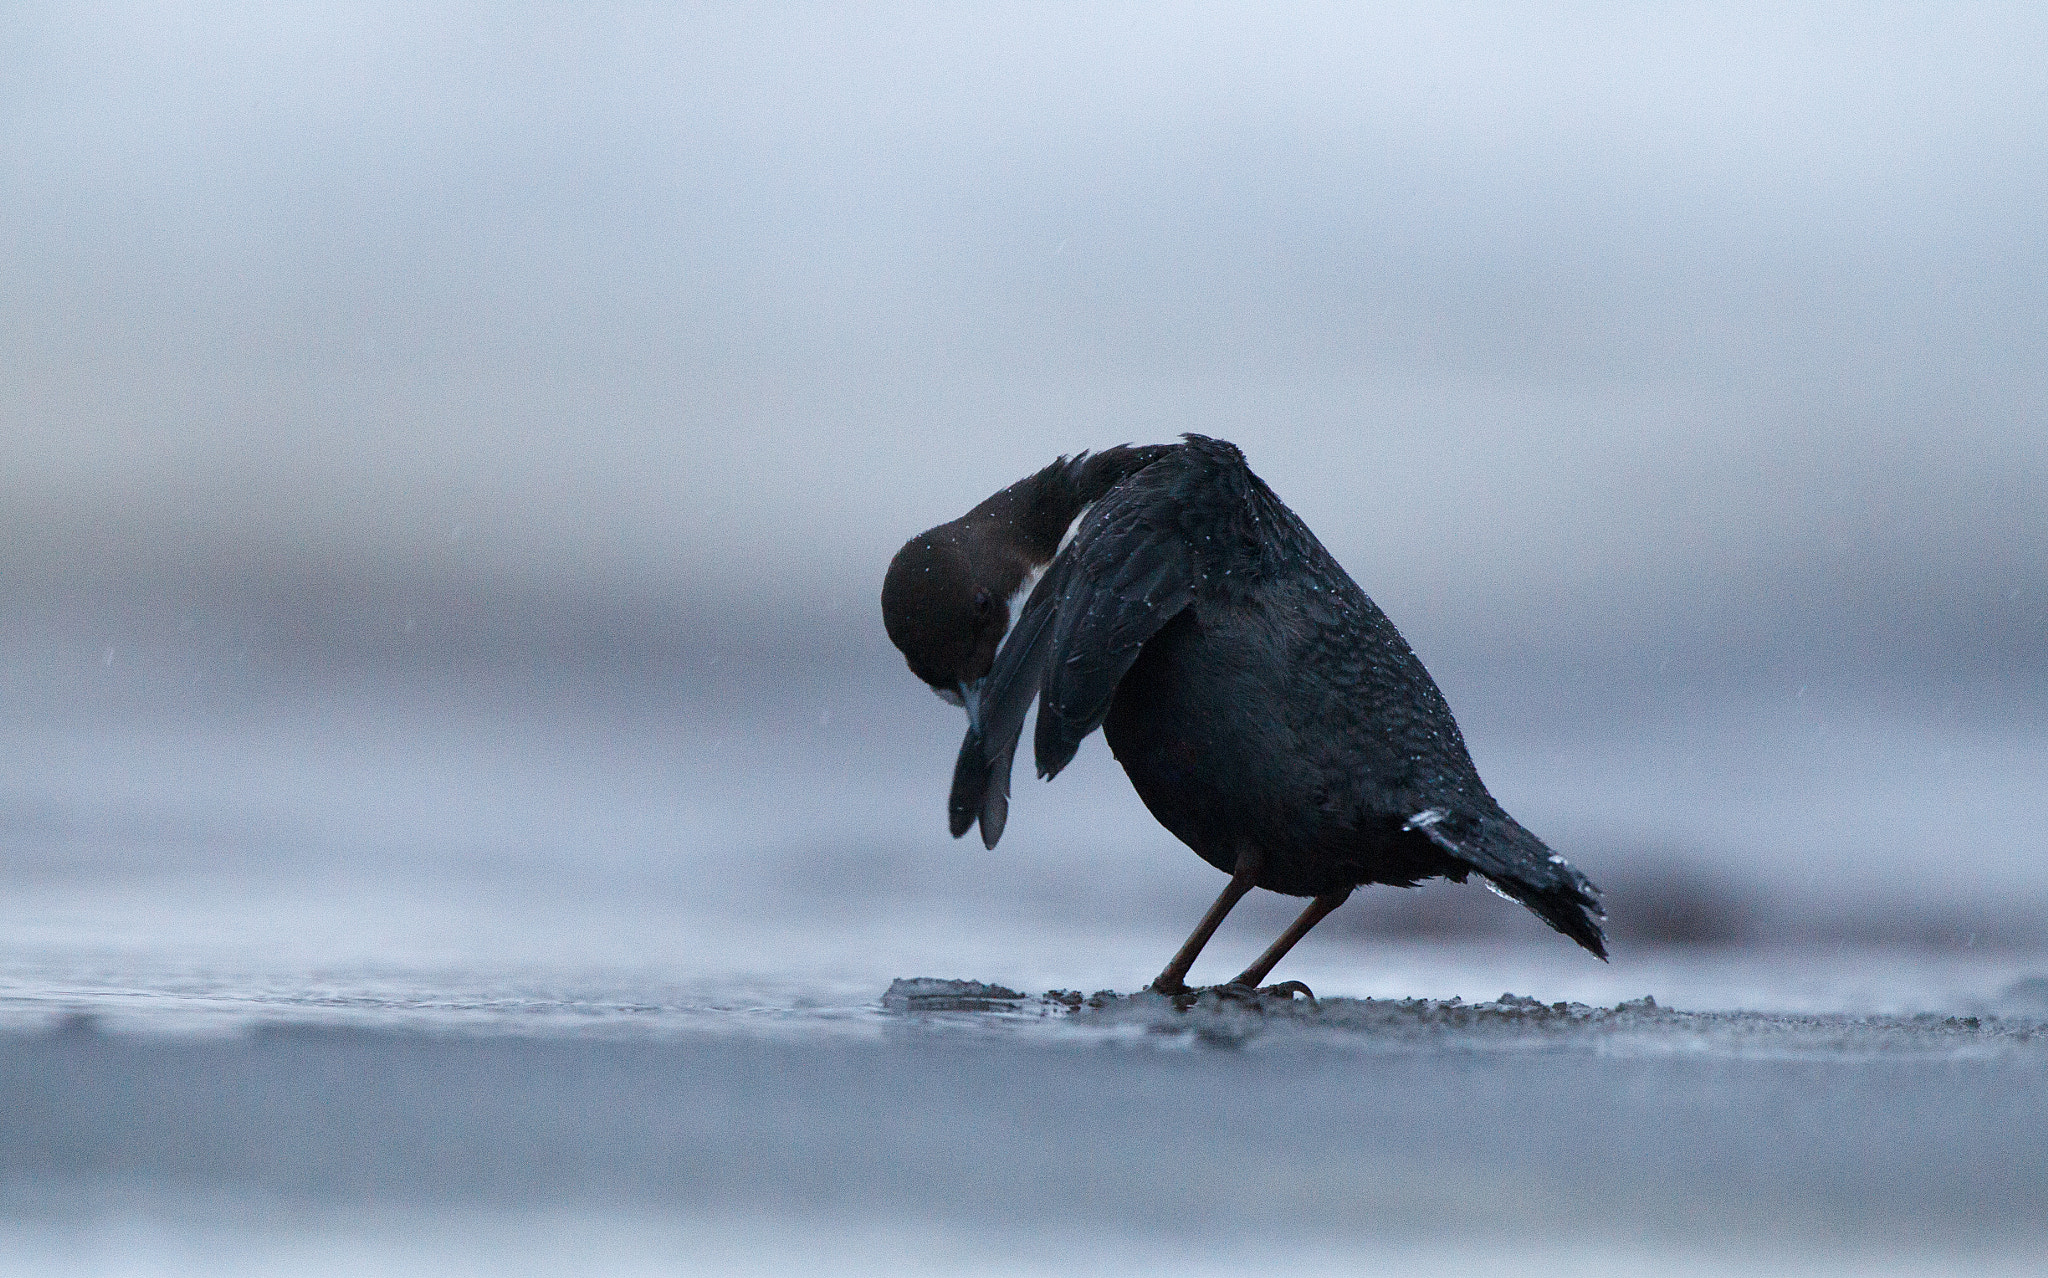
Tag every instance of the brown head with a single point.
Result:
(945, 618)
(947, 597)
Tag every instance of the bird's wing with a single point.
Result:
(1126, 573)
(1132, 572)
(981, 775)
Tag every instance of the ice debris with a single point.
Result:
(932, 994)
(1228, 1016)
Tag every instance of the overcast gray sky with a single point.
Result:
(1554, 321)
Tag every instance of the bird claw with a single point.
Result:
(1290, 989)
(1239, 992)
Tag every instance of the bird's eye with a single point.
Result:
(982, 599)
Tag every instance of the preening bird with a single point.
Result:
(1264, 708)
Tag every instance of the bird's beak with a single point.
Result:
(970, 696)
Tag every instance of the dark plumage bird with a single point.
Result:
(1265, 709)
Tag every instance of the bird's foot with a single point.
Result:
(1241, 992)
(1289, 989)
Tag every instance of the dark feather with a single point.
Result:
(1128, 575)
(981, 775)
(1521, 866)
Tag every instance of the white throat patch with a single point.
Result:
(1032, 578)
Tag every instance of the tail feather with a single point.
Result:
(1523, 867)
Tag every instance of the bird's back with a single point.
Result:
(1282, 706)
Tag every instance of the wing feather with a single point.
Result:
(1132, 573)
(981, 775)
(1126, 573)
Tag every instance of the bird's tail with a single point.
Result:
(1522, 867)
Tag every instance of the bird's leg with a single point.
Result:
(1174, 979)
(1311, 916)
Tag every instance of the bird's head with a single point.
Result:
(946, 599)
(946, 618)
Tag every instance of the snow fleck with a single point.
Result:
(1426, 818)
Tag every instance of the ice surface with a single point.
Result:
(1220, 1017)
(1051, 1132)
(355, 985)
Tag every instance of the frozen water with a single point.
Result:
(355, 984)
(1511, 1023)
(1022, 1133)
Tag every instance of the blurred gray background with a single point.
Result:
(448, 436)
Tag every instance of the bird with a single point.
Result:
(1266, 711)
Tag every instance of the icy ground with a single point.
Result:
(1225, 1017)
(943, 1126)
(356, 990)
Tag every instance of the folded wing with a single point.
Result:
(1127, 572)
(981, 775)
